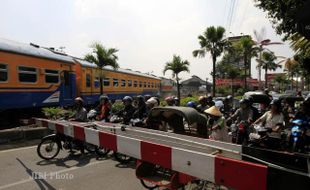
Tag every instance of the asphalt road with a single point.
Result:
(18, 168)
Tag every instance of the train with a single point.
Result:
(32, 76)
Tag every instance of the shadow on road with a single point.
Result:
(82, 160)
(42, 183)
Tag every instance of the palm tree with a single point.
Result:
(260, 43)
(211, 41)
(249, 50)
(291, 66)
(102, 57)
(267, 62)
(177, 65)
(232, 73)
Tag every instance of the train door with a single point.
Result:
(68, 87)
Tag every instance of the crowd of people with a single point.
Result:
(220, 117)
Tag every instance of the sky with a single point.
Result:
(147, 32)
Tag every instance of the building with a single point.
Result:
(195, 85)
(168, 87)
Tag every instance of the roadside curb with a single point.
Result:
(18, 137)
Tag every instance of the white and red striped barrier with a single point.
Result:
(213, 161)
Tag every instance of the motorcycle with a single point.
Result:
(298, 138)
(239, 132)
(50, 145)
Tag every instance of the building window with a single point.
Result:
(144, 84)
(106, 82)
(141, 84)
(148, 84)
(152, 85)
(27, 74)
(88, 80)
(123, 84)
(51, 76)
(130, 83)
(115, 82)
(3, 73)
(135, 84)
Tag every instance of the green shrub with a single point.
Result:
(117, 106)
(57, 113)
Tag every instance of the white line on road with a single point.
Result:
(16, 149)
(59, 172)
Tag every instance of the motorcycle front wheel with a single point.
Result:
(48, 149)
(101, 152)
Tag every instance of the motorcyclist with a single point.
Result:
(227, 107)
(273, 119)
(128, 111)
(141, 110)
(266, 91)
(254, 109)
(104, 108)
(210, 101)
(80, 111)
(202, 106)
(244, 113)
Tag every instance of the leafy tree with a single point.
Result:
(282, 14)
(102, 57)
(281, 80)
(249, 50)
(177, 65)
(211, 41)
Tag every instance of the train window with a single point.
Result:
(148, 85)
(144, 84)
(141, 84)
(129, 83)
(27, 74)
(135, 84)
(123, 83)
(115, 82)
(88, 80)
(106, 82)
(152, 85)
(51, 76)
(3, 73)
(97, 82)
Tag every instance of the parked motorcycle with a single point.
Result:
(50, 145)
(239, 132)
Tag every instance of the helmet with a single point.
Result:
(244, 101)
(79, 99)
(127, 98)
(229, 97)
(191, 104)
(168, 99)
(266, 90)
(251, 100)
(146, 97)
(209, 97)
(102, 97)
(152, 101)
(276, 102)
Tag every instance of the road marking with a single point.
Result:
(59, 172)
(17, 149)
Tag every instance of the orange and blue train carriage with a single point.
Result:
(33, 77)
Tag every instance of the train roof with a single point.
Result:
(127, 71)
(33, 50)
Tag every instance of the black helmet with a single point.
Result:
(276, 102)
(127, 98)
(102, 97)
(244, 101)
